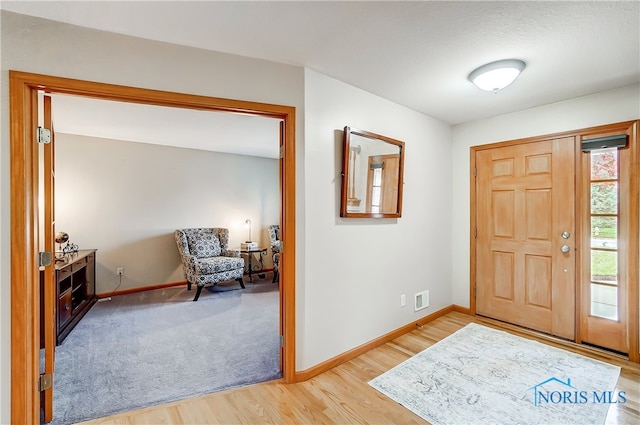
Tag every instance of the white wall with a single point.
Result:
(358, 268)
(126, 199)
(587, 111)
(45, 47)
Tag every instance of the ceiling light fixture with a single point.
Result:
(497, 75)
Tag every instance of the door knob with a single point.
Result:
(565, 248)
(566, 235)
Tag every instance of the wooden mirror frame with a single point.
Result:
(384, 153)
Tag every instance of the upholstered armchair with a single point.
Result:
(206, 258)
(274, 236)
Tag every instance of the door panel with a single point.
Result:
(525, 201)
(538, 287)
(503, 275)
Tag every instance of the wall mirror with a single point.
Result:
(372, 175)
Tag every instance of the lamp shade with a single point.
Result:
(497, 75)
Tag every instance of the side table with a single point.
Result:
(251, 268)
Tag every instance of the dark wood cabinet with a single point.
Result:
(75, 290)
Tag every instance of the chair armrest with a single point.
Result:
(229, 253)
(189, 261)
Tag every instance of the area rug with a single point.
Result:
(481, 375)
(158, 346)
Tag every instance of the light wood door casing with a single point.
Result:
(49, 293)
(281, 171)
(525, 201)
(25, 288)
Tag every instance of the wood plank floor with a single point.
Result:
(342, 395)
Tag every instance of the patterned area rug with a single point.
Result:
(481, 375)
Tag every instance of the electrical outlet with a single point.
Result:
(119, 271)
(403, 300)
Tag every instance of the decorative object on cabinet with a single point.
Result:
(274, 237)
(373, 171)
(206, 257)
(61, 237)
(75, 290)
(69, 248)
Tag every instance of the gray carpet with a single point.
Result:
(159, 346)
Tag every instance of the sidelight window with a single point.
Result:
(604, 215)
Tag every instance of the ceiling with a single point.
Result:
(184, 128)
(417, 53)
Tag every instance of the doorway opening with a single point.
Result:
(25, 317)
(125, 176)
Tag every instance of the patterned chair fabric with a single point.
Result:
(274, 236)
(206, 258)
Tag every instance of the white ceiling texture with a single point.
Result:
(416, 53)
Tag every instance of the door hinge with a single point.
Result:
(281, 340)
(43, 135)
(475, 172)
(281, 152)
(475, 289)
(281, 246)
(45, 381)
(475, 232)
(44, 259)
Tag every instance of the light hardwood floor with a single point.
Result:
(342, 395)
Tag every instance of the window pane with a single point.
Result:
(604, 266)
(604, 164)
(377, 177)
(604, 198)
(604, 301)
(604, 232)
(375, 196)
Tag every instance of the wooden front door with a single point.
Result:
(525, 222)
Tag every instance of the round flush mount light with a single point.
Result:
(497, 75)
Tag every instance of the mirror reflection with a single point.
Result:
(372, 175)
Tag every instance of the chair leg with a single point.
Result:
(188, 285)
(276, 275)
(198, 292)
(241, 282)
